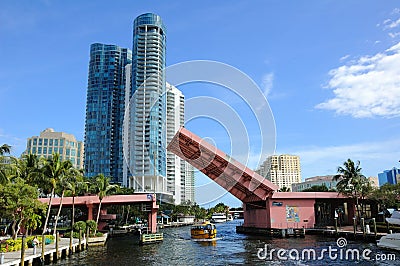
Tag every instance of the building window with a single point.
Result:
(45, 142)
(39, 150)
(40, 141)
(44, 150)
(56, 142)
(34, 141)
(60, 150)
(61, 142)
(50, 142)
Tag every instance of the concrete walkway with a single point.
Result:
(14, 258)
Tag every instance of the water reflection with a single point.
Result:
(231, 249)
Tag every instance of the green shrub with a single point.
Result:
(75, 235)
(80, 225)
(92, 225)
(14, 245)
(98, 234)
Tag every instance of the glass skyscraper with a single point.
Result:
(389, 176)
(147, 138)
(105, 107)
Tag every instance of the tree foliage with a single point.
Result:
(387, 196)
(5, 149)
(353, 183)
(102, 187)
(19, 202)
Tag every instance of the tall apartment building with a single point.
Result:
(180, 178)
(148, 114)
(282, 170)
(126, 131)
(105, 108)
(189, 189)
(49, 142)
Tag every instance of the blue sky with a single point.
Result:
(329, 69)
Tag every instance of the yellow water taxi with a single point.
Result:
(204, 230)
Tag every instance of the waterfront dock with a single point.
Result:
(151, 238)
(34, 255)
(346, 231)
(97, 241)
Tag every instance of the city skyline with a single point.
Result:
(329, 70)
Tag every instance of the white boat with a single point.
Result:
(391, 241)
(394, 218)
(218, 218)
(229, 218)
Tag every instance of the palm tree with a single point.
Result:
(5, 149)
(102, 187)
(64, 184)
(4, 175)
(284, 189)
(77, 184)
(53, 170)
(351, 181)
(28, 168)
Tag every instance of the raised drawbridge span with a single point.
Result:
(239, 180)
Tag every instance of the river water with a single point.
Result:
(231, 249)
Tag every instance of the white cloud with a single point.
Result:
(267, 83)
(367, 87)
(396, 11)
(344, 57)
(390, 24)
(394, 34)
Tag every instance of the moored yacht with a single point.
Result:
(218, 218)
(391, 241)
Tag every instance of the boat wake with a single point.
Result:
(206, 239)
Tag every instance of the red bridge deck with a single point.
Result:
(240, 181)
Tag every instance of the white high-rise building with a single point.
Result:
(282, 170)
(147, 138)
(126, 137)
(189, 182)
(179, 173)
